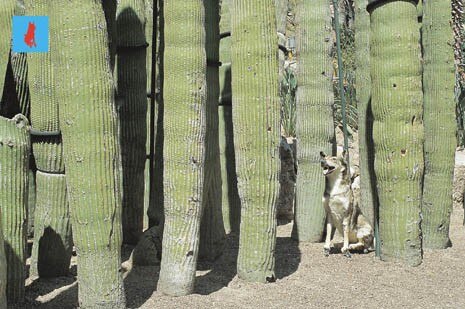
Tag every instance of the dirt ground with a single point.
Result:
(306, 279)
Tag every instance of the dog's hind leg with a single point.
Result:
(360, 245)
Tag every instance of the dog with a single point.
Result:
(341, 200)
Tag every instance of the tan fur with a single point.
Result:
(341, 200)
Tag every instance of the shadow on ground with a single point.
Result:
(139, 285)
(52, 293)
(141, 282)
(287, 256)
(223, 270)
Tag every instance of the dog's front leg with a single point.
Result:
(329, 226)
(345, 247)
(329, 231)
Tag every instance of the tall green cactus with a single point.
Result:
(31, 199)
(155, 211)
(230, 195)
(14, 165)
(16, 93)
(6, 12)
(151, 21)
(17, 100)
(363, 97)
(185, 117)
(256, 116)
(131, 88)
(314, 127)
(3, 270)
(53, 244)
(397, 127)
(19, 70)
(212, 233)
(51, 254)
(90, 147)
(439, 123)
(14, 156)
(148, 249)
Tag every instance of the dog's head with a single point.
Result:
(332, 165)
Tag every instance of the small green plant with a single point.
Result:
(287, 91)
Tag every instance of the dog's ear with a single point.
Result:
(322, 158)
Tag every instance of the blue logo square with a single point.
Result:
(30, 34)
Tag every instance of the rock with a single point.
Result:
(287, 179)
(148, 250)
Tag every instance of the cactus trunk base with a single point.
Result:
(14, 162)
(53, 245)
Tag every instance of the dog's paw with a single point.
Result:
(346, 252)
(327, 251)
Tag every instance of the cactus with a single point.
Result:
(91, 149)
(3, 271)
(184, 150)
(230, 196)
(231, 204)
(53, 244)
(51, 253)
(14, 163)
(397, 127)
(16, 93)
(131, 88)
(256, 116)
(150, 32)
(155, 209)
(6, 12)
(212, 233)
(14, 156)
(363, 97)
(439, 123)
(314, 127)
(31, 199)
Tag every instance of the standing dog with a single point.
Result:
(341, 202)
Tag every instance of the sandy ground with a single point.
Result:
(459, 178)
(306, 279)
